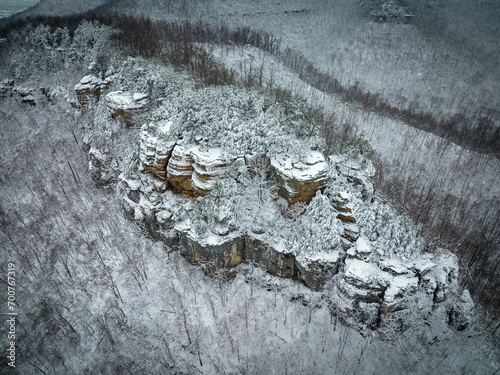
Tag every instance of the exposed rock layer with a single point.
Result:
(299, 180)
(88, 90)
(127, 107)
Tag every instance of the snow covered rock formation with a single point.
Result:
(88, 90)
(299, 180)
(226, 188)
(127, 107)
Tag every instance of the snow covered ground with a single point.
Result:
(10, 7)
(97, 295)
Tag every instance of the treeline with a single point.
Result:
(475, 131)
(179, 43)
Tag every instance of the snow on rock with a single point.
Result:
(361, 250)
(365, 275)
(441, 278)
(276, 261)
(210, 167)
(5, 86)
(461, 314)
(423, 265)
(367, 288)
(395, 267)
(359, 173)
(318, 269)
(398, 290)
(27, 94)
(217, 254)
(360, 292)
(102, 167)
(88, 90)
(179, 171)
(299, 180)
(155, 152)
(341, 204)
(189, 170)
(126, 106)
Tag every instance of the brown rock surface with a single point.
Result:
(155, 154)
(209, 167)
(299, 180)
(88, 90)
(218, 257)
(180, 170)
(341, 204)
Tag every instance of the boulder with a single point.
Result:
(88, 90)
(127, 107)
(354, 293)
(299, 180)
(365, 275)
(395, 267)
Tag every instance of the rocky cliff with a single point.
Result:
(88, 90)
(221, 209)
(127, 107)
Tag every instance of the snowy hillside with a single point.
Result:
(129, 153)
(443, 60)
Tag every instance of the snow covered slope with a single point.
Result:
(97, 296)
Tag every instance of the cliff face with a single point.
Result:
(192, 172)
(345, 215)
(154, 155)
(322, 244)
(88, 90)
(367, 290)
(127, 107)
(299, 180)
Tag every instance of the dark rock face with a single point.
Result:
(275, 262)
(217, 259)
(315, 274)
